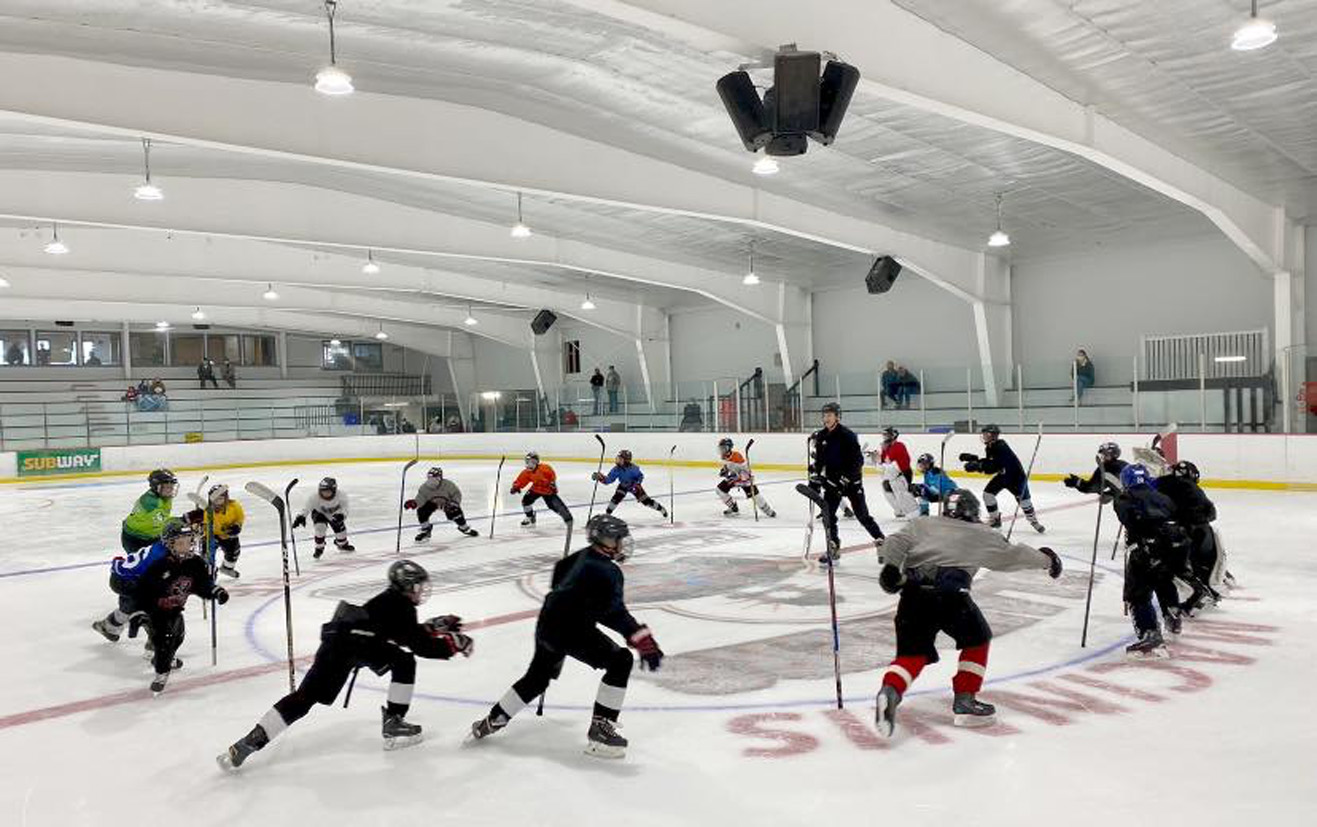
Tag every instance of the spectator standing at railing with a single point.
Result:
(889, 384)
(206, 373)
(230, 374)
(614, 384)
(597, 390)
(1085, 373)
(907, 385)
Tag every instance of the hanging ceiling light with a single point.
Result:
(587, 304)
(470, 321)
(1257, 33)
(332, 80)
(146, 191)
(751, 277)
(198, 314)
(766, 165)
(4, 282)
(162, 325)
(334, 343)
(370, 268)
(56, 247)
(381, 335)
(269, 295)
(520, 230)
(998, 238)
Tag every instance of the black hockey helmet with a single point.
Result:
(160, 477)
(725, 446)
(890, 434)
(1186, 469)
(832, 408)
(218, 494)
(178, 529)
(532, 460)
(989, 433)
(1108, 451)
(610, 535)
(962, 505)
(435, 473)
(411, 579)
(328, 484)
(624, 457)
(925, 462)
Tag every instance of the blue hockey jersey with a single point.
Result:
(627, 477)
(129, 569)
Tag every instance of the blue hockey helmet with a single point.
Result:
(1134, 475)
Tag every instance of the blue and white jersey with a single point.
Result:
(130, 568)
(938, 481)
(627, 477)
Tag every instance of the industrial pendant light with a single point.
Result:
(1257, 33)
(332, 80)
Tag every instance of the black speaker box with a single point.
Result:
(542, 322)
(882, 275)
(835, 90)
(796, 84)
(738, 93)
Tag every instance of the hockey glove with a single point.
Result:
(234, 530)
(891, 579)
(1071, 481)
(651, 656)
(515, 490)
(443, 623)
(972, 466)
(299, 521)
(1054, 570)
(969, 457)
(458, 643)
(597, 477)
(410, 505)
(196, 516)
(220, 595)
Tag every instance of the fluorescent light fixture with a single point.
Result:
(1230, 359)
(766, 166)
(490, 396)
(162, 325)
(332, 80)
(370, 268)
(270, 295)
(520, 230)
(56, 247)
(587, 304)
(1257, 33)
(198, 314)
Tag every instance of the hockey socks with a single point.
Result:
(608, 701)
(903, 671)
(973, 666)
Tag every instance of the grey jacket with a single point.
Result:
(927, 544)
(440, 492)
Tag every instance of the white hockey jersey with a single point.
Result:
(336, 506)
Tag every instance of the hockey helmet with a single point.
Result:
(610, 535)
(175, 530)
(1186, 469)
(1134, 475)
(925, 462)
(159, 478)
(725, 446)
(962, 505)
(328, 484)
(624, 457)
(532, 460)
(435, 473)
(1108, 451)
(989, 433)
(411, 579)
(890, 434)
(218, 495)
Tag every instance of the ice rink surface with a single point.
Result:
(739, 726)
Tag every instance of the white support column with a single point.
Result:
(125, 352)
(535, 367)
(1283, 299)
(281, 342)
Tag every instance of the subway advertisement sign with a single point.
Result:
(58, 461)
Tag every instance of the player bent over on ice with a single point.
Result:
(382, 635)
(438, 494)
(586, 591)
(931, 563)
(628, 477)
(735, 473)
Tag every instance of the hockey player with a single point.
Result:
(542, 482)
(150, 512)
(937, 485)
(1158, 552)
(931, 563)
(629, 478)
(438, 494)
(384, 636)
(894, 462)
(735, 473)
(1008, 474)
(1105, 482)
(586, 591)
(162, 588)
(328, 508)
(125, 576)
(1195, 512)
(836, 470)
(228, 517)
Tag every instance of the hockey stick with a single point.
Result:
(1092, 567)
(749, 470)
(603, 449)
(809, 525)
(1027, 474)
(292, 536)
(672, 492)
(258, 490)
(1116, 545)
(836, 631)
(941, 464)
(402, 497)
(208, 538)
(493, 509)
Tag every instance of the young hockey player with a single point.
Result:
(162, 589)
(125, 576)
(150, 512)
(542, 482)
(1107, 481)
(228, 519)
(735, 473)
(1158, 552)
(931, 563)
(384, 636)
(1008, 474)
(1195, 512)
(586, 591)
(438, 494)
(328, 508)
(836, 470)
(936, 485)
(629, 478)
(894, 462)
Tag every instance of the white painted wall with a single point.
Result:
(718, 342)
(501, 367)
(1105, 301)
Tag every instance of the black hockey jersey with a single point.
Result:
(167, 584)
(1192, 507)
(1108, 482)
(837, 454)
(386, 620)
(1144, 512)
(1000, 459)
(587, 588)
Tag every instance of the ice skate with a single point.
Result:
(423, 534)
(158, 683)
(235, 755)
(397, 732)
(847, 513)
(487, 726)
(344, 546)
(229, 569)
(971, 712)
(1174, 621)
(1149, 645)
(832, 556)
(320, 549)
(604, 741)
(468, 531)
(884, 713)
(732, 510)
(662, 510)
(1037, 526)
(768, 512)
(528, 521)
(994, 519)
(107, 631)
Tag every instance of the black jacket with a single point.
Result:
(376, 630)
(837, 455)
(586, 589)
(165, 587)
(1192, 507)
(999, 459)
(1145, 513)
